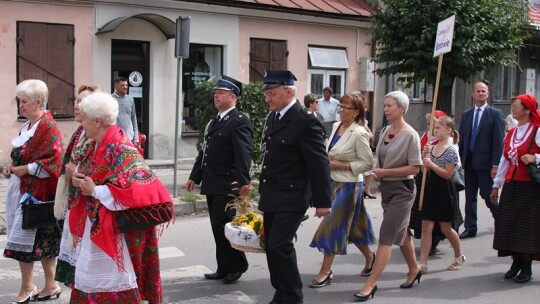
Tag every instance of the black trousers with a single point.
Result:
(228, 259)
(280, 229)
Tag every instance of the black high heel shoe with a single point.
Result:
(366, 272)
(55, 293)
(363, 298)
(369, 196)
(27, 300)
(327, 281)
(410, 285)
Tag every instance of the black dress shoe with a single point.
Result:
(525, 274)
(410, 285)
(215, 276)
(232, 277)
(327, 281)
(514, 269)
(364, 298)
(467, 234)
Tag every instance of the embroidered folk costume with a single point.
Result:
(77, 151)
(115, 267)
(41, 145)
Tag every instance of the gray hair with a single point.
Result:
(35, 89)
(100, 105)
(401, 99)
(293, 88)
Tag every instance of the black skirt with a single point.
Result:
(439, 199)
(517, 225)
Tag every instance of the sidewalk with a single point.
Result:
(162, 168)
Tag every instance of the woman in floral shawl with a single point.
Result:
(76, 154)
(113, 267)
(36, 163)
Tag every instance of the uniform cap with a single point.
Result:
(276, 78)
(229, 84)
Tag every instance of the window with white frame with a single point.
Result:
(327, 67)
(419, 91)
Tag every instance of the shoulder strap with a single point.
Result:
(33, 177)
(532, 138)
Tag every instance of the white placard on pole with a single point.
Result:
(445, 34)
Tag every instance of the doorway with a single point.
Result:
(131, 59)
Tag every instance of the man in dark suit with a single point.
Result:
(295, 174)
(225, 158)
(480, 149)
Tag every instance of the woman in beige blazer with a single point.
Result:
(350, 156)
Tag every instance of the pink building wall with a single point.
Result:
(300, 35)
(81, 16)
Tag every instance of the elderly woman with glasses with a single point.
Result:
(36, 162)
(349, 222)
(398, 159)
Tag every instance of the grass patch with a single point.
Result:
(190, 197)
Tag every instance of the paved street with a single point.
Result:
(186, 252)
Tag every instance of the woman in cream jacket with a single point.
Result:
(350, 156)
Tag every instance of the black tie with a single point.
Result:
(216, 120)
(276, 119)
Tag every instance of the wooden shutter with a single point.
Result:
(45, 51)
(266, 55)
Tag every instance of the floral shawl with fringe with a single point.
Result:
(45, 149)
(117, 164)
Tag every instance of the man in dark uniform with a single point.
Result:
(225, 158)
(295, 174)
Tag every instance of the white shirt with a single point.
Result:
(329, 109)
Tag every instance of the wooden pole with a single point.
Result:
(431, 122)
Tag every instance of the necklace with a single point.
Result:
(392, 135)
(516, 141)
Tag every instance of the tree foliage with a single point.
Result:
(486, 33)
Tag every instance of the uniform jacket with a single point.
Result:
(226, 154)
(488, 147)
(295, 172)
(353, 148)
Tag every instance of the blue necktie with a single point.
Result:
(474, 129)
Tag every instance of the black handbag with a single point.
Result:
(135, 219)
(533, 168)
(36, 213)
(458, 179)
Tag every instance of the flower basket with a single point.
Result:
(246, 230)
(248, 236)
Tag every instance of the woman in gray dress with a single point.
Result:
(398, 159)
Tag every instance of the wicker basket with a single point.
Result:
(247, 249)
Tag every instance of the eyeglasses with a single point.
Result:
(275, 93)
(347, 108)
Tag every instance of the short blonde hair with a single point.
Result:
(35, 89)
(100, 105)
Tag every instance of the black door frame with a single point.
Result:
(128, 56)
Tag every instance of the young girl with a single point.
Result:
(440, 193)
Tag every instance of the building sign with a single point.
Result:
(135, 79)
(135, 92)
(534, 11)
(445, 34)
